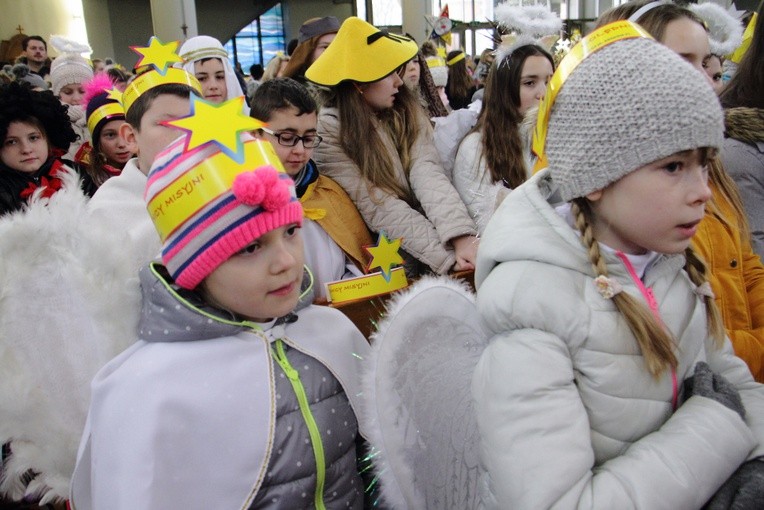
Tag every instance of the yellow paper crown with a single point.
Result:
(362, 53)
(209, 178)
(603, 36)
(160, 57)
(104, 112)
(435, 62)
(456, 58)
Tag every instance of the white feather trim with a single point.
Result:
(535, 19)
(725, 31)
(63, 45)
(396, 483)
(69, 303)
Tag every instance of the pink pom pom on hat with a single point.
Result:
(208, 207)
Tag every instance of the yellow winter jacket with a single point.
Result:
(737, 278)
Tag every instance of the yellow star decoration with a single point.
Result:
(385, 255)
(114, 94)
(217, 123)
(158, 54)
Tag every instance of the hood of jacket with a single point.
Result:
(744, 124)
(172, 314)
(527, 227)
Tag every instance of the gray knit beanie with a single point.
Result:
(628, 104)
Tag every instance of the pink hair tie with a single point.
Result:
(607, 287)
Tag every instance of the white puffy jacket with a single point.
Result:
(568, 415)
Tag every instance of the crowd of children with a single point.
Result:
(615, 263)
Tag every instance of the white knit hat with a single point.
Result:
(69, 67)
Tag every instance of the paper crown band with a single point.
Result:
(455, 59)
(600, 38)
(203, 182)
(151, 79)
(104, 112)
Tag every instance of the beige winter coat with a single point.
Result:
(425, 232)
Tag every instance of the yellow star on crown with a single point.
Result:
(217, 123)
(385, 255)
(157, 54)
(114, 94)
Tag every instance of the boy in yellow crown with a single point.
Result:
(235, 397)
(160, 93)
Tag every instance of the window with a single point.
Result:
(259, 41)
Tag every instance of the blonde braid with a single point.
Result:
(653, 339)
(697, 271)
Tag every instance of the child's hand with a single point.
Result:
(705, 383)
(465, 249)
(744, 490)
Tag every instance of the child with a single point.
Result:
(579, 395)
(377, 145)
(316, 34)
(35, 132)
(334, 232)
(233, 398)
(206, 59)
(723, 239)
(150, 98)
(105, 115)
(460, 86)
(68, 73)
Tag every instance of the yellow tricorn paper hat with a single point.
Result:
(361, 52)
(160, 57)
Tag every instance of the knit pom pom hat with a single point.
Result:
(624, 106)
(207, 207)
(70, 66)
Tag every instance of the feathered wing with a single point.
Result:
(68, 304)
(417, 386)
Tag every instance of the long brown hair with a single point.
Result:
(654, 340)
(500, 117)
(300, 61)
(459, 81)
(360, 139)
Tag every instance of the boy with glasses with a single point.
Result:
(333, 231)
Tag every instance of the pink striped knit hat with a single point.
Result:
(208, 207)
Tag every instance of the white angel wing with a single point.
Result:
(68, 304)
(425, 436)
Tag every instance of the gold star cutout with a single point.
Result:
(158, 54)
(385, 255)
(114, 94)
(218, 123)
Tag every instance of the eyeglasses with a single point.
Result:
(288, 139)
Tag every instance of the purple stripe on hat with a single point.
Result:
(178, 238)
(234, 239)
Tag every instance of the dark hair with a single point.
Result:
(25, 41)
(256, 71)
(746, 86)
(500, 117)
(280, 93)
(459, 83)
(141, 105)
(117, 75)
(293, 43)
(19, 103)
